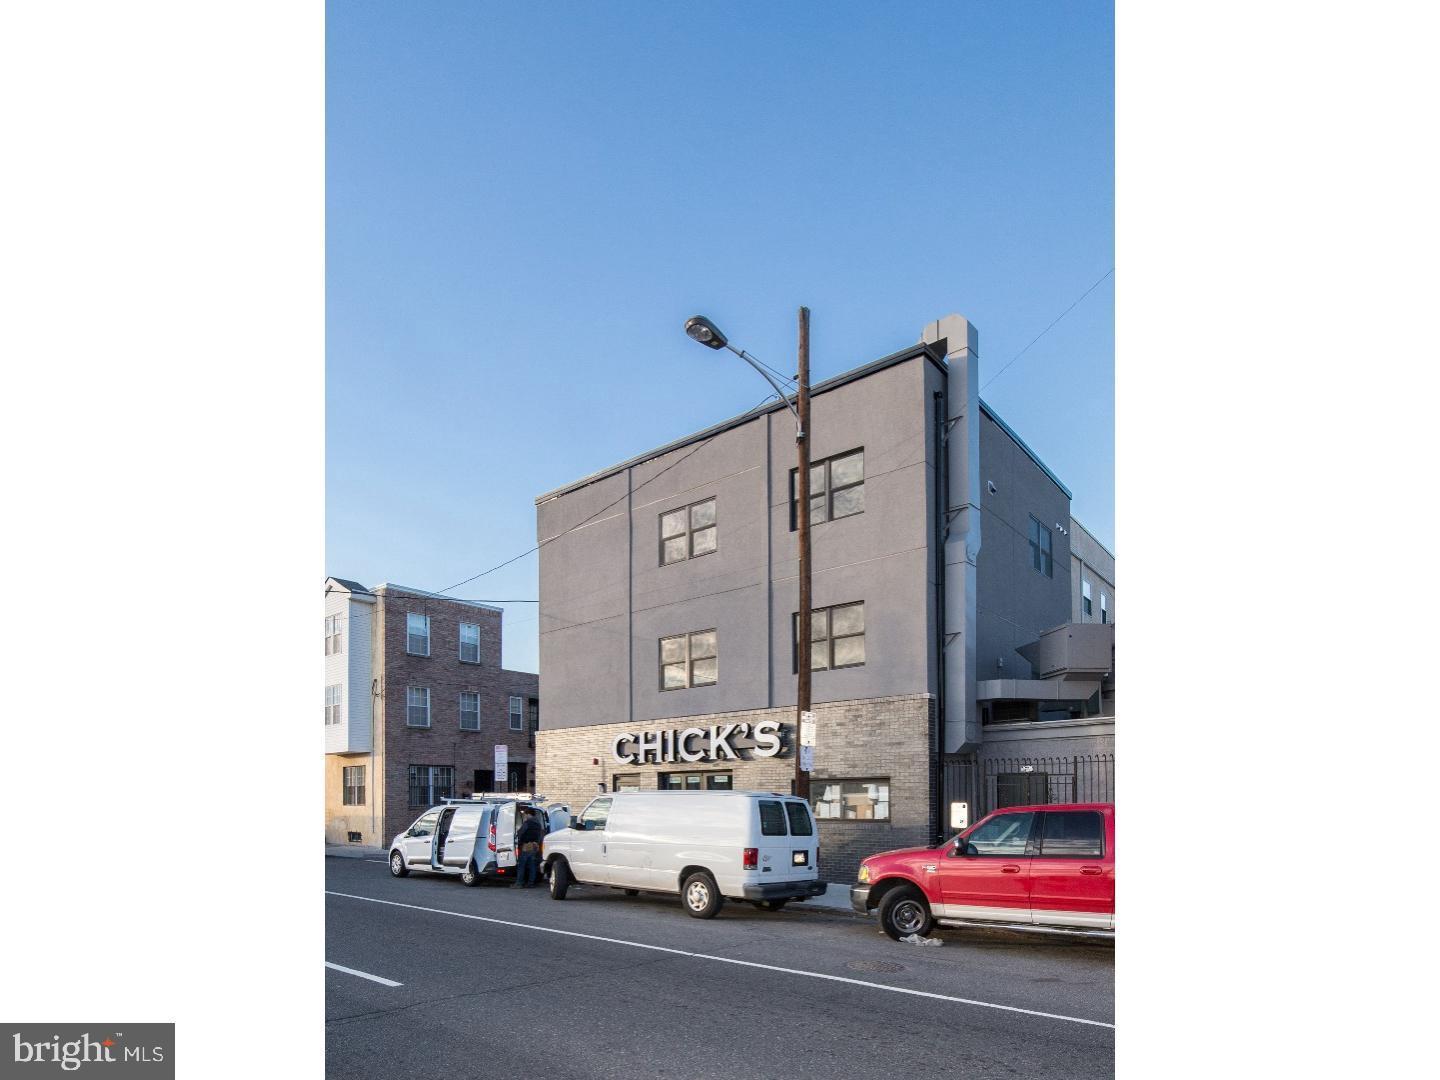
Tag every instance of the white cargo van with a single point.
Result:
(474, 838)
(704, 846)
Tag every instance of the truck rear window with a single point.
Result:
(772, 818)
(799, 815)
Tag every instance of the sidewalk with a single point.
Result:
(353, 851)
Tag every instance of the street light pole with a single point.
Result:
(802, 511)
(701, 329)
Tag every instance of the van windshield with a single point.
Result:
(799, 814)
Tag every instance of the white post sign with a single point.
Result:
(807, 729)
(807, 759)
(502, 763)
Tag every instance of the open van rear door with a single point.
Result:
(505, 834)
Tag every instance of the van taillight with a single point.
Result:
(491, 842)
(751, 859)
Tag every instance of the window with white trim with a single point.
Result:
(469, 643)
(688, 532)
(332, 634)
(517, 713)
(469, 710)
(417, 634)
(851, 800)
(333, 713)
(353, 779)
(688, 660)
(837, 637)
(837, 488)
(417, 706)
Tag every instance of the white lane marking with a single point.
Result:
(729, 960)
(362, 974)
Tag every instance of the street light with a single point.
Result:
(701, 329)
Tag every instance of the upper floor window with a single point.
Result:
(517, 713)
(332, 634)
(1085, 598)
(417, 635)
(332, 704)
(1042, 542)
(533, 708)
(688, 660)
(469, 711)
(837, 488)
(1104, 610)
(688, 532)
(417, 706)
(469, 643)
(837, 637)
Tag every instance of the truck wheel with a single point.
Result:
(397, 864)
(904, 912)
(470, 876)
(702, 898)
(559, 879)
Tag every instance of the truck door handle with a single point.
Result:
(1009, 869)
(1091, 870)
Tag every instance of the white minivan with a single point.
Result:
(474, 838)
(705, 846)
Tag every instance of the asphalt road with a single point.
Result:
(634, 987)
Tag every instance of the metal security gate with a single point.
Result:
(995, 783)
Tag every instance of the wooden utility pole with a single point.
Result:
(802, 511)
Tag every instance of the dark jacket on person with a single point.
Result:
(530, 832)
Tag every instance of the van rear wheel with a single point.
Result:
(559, 879)
(904, 912)
(397, 864)
(702, 898)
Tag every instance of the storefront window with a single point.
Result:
(696, 781)
(626, 782)
(851, 800)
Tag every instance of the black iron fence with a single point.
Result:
(995, 783)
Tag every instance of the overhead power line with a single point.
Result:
(1047, 329)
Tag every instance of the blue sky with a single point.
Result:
(524, 203)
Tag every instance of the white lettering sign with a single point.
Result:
(718, 742)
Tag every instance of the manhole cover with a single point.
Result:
(875, 966)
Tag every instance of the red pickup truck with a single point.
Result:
(1041, 867)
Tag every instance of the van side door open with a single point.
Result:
(505, 835)
(460, 841)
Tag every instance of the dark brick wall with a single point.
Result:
(443, 743)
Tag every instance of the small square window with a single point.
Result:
(688, 660)
(689, 532)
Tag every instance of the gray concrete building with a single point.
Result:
(669, 588)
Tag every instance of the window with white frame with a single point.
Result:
(837, 488)
(1085, 598)
(688, 532)
(469, 711)
(851, 800)
(517, 713)
(332, 704)
(417, 706)
(332, 634)
(837, 637)
(1042, 543)
(469, 643)
(688, 660)
(354, 785)
(417, 634)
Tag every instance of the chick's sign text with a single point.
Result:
(718, 742)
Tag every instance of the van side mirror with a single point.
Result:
(578, 825)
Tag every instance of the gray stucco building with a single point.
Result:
(668, 596)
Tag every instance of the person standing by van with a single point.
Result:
(528, 838)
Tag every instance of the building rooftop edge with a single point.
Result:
(910, 352)
(1098, 542)
(988, 411)
(427, 594)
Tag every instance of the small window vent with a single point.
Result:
(355, 837)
